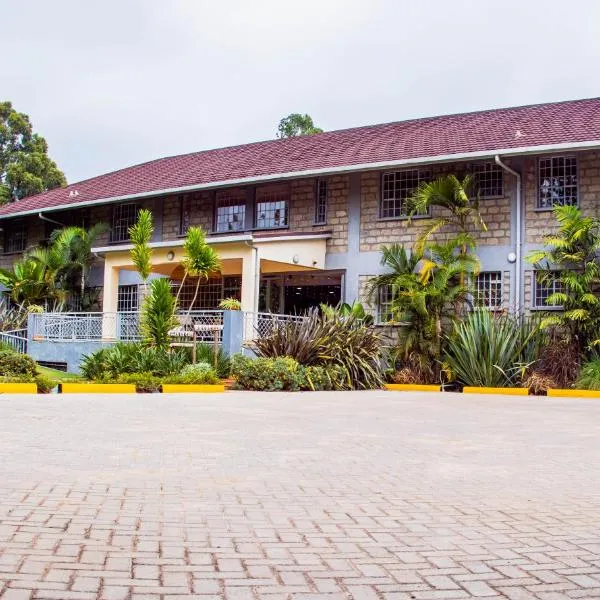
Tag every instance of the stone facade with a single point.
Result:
(375, 231)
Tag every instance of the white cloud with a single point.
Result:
(123, 81)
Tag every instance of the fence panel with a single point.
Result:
(16, 339)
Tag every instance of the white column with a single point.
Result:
(109, 301)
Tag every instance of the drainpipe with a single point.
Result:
(44, 218)
(518, 236)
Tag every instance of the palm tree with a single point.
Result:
(199, 260)
(459, 200)
(77, 244)
(141, 253)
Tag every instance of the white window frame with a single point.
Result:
(384, 301)
(401, 196)
(274, 200)
(487, 169)
(536, 289)
(128, 295)
(545, 181)
(122, 223)
(234, 199)
(321, 202)
(488, 284)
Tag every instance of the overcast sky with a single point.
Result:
(112, 83)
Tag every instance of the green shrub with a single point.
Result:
(144, 382)
(589, 377)
(158, 314)
(319, 340)
(205, 353)
(319, 378)
(12, 363)
(200, 373)
(492, 350)
(117, 359)
(268, 374)
(45, 384)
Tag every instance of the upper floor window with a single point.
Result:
(124, 216)
(396, 190)
(557, 181)
(15, 236)
(271, 207)
(185, 213)
(384, 304)
(488, 290)
(489, 180)
(230, 211)
(545, 284)
(80, 218)
(321, 202)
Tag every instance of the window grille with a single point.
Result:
(545, 284)
(230, 210)
(557, 181)
(124, 216)
(127, 298)
(271, 208)
(489, 180)
(488, 290)
(321, 202)
(396, 190)
(384, 304)
(15, 236)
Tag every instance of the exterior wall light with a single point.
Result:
(170, 255)
(512, 257)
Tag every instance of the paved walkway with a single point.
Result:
(252, 496)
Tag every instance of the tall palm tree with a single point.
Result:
(141, 253)
(199, 260)
(76, 244)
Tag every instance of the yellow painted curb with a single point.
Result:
(97, 388)
(18, 388)
(496, 390)
(574, 393)
(177, 388)
(411, 387)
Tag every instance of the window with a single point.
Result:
(489, 180)
(79, 218)
(124, 216)
(321, 202)
(557, 181)
(230, 210)
(15, 236)
(210, 292)
(271, 208)
(127, 298)
(384, 304)
(488, 290)
(546, 283)
(185, 213)
(396, 189)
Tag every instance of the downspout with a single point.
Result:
(518, 236)
(43, 218)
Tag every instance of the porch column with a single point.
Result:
(250, 281)
(109, 302)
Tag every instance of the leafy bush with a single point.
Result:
(144, 382)
(320, 340)
(230, 304)
(492, 350)
(158, 314)
(205, 353)
(12, 363)
(45, 384)
(325, 378)
(268, 374)
(200, 373)
(117, 359)
(589, 378)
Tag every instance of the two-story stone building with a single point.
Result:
(301, 221)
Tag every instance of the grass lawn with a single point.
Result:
(56, 375)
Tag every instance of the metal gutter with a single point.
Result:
(518, 228)
(463, 156)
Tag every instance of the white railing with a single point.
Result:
(16, 339)
(121, 326)
(260, 324)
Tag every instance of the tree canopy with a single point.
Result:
(297, 124)
(25, 167)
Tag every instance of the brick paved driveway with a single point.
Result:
(364, 495)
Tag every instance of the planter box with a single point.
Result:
(411, 387)
(97, 388)
(180, 388)
(574, 393)
(496, 390)
(18, 388)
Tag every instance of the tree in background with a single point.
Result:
(25, 167)
(297, 124)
